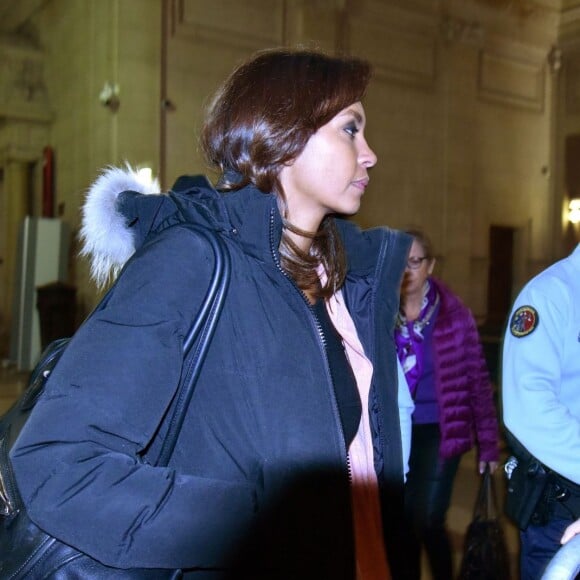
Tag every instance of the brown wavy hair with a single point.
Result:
(261, 119)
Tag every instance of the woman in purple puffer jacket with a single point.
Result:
(439, 348)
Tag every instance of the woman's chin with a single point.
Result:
(352, 209)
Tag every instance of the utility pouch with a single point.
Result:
(526, 498)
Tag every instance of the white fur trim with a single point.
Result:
(105, 237)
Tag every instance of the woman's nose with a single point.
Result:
(367, 157)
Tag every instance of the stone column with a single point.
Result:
(25, 118)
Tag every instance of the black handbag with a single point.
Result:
(28, 552)
(485, 555)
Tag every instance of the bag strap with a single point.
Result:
(486, 503)
(200, 333)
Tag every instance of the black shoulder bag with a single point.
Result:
(28, 552)
(485, 555)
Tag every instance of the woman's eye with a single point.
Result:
(351, 129)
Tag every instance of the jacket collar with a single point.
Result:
(249, 215)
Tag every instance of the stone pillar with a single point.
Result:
(462, 41)
(25, 118)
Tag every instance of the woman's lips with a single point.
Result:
(361, 183)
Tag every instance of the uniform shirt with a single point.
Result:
(541, 367)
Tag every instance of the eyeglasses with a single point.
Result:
(414, 263)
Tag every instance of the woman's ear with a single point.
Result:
(432, 266)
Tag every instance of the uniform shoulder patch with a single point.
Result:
(524, 321)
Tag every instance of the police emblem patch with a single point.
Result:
(524, 321)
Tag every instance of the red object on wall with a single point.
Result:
(47, 182)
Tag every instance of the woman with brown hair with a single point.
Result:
(290, 459)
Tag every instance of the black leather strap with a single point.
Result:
(199, 335)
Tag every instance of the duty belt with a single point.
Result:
(565, 497)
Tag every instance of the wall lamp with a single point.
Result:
(574, 211)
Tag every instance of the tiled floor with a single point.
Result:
(13, 382)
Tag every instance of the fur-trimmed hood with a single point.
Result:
(106, 237)
(122, 210)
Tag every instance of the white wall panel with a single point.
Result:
(42, 258)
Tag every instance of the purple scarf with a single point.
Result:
(409, 337)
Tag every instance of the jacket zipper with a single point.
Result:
(321, 342)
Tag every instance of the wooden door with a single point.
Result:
(500, 279)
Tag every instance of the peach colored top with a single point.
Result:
(370, 551)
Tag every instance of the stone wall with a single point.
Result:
(468, 111)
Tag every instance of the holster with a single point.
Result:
(535, 493)
(525, 490)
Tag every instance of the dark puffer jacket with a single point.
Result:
(259, 476)
(464, 392)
